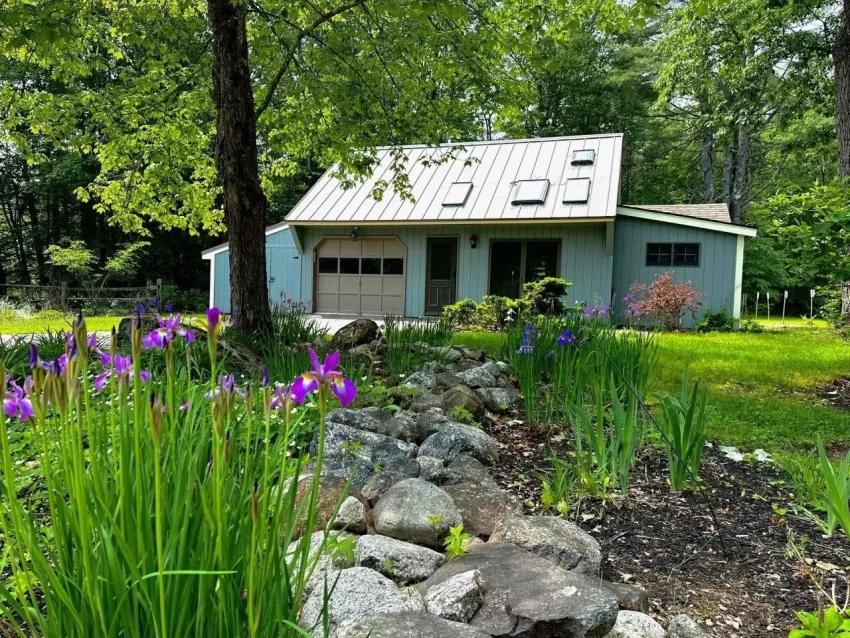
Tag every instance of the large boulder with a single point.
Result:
(494, 368)
(482, 505)
(430, 422)
(404, 563)
(421, 381)
(356, 333)
(379, 483)
(685, 627)
(633, 624)
(351, 516)
(456, 598)
(343, 441)
(446, 380)
(434, 471)
(411, 625)
(556, 540)
(455, 440)
(326, 550)
(527, 596)
(399, 426)
(416, 511)
(348, 467)
(471, 468)
(355, 593)
(473, 354)
(461, 396)
(333, 492)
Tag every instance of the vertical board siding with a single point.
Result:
(715, 276)
(583, 260)
(221, 289)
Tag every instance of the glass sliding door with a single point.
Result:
(514, 263)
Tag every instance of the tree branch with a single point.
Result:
(295, 47)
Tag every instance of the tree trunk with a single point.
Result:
(841, 57)
(238, 169)
(728, 173)
(706, 163)
(742, 172)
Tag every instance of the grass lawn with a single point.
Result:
(40, 325)
(761, 386)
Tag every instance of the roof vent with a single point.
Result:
(457, 194)
(577, 190)
(530, 191)
(583, 158)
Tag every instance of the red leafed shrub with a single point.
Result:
(667, 301)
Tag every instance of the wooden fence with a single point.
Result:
(64, 297)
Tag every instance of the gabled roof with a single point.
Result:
(710, 212)
(492, 167)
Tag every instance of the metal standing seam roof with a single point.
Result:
(708, 212)
(493, 167)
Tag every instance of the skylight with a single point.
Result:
(530, 191)
(577, 191)
(583, 158)
(457, 194)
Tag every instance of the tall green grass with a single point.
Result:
(410, 343)
(172, 506)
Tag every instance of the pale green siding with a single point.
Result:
(583, 258)
(715, 275)
(221, 287)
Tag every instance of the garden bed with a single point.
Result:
(667, 543)
(836, 393)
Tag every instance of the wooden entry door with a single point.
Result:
(440, 274)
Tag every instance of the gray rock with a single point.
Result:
(478, 378)
(527, 596)
(684, 627)
(471, 468)
(402, 426)
(446, 380)
(347, 467)
(356, 593)
(556, 540)
(424, 382)
(628, 596)
(498, 399)
(434, 471)
(415, 602)
(505, 383)
(328, 563)
(462, 397)
(356, 333)
(379, 483)
(416, 511)
(447, 354)
(427, 402)
(463, 365)
(433, 367)
(450, 442)
(493, 368)
(482, 505)
(394, 456)
(431, 422)
(351, 516)
(345, 441)
(474, 354)
(363, 351)
(633, 624)
(404, 563)
(456, 598)
(411, 625)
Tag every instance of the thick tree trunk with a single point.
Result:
(238, 169)
(728, 173)
(841, 57)
(706, 163)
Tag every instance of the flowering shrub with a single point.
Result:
(172, 500)
(666, 300)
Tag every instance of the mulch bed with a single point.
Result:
(668, 543)
(836, 393)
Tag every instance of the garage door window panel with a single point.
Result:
(349, 266)
(393, 266)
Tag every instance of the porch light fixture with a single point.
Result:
(473, 241)
(354, 233)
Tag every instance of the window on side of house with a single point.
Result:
(672, 254)
(516, 262)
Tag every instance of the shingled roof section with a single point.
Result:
(708, 212)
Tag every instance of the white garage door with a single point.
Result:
(363, 277)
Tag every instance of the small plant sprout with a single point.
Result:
(456, 542)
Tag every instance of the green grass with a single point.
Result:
(790, 322)
(40, 325)
(761, 386)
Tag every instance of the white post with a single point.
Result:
(784, 301)
(758, 294)
(812, 304)
(768, 307)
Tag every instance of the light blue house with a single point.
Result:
(486, 217)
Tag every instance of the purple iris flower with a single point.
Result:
(121, 367)
(168, 307)
(325, 374)
(226, 386)
(527, 346)
(265, 381)
(17, 403)
(169, 327)
(213, 318)
(596, 312)
(567, 338)
(295, 392)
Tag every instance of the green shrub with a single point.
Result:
(750, 325)
(463, 313)
(831, 623)
(720, 321)
(546, 296)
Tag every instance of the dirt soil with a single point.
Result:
(737, 579)
(836, 393)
